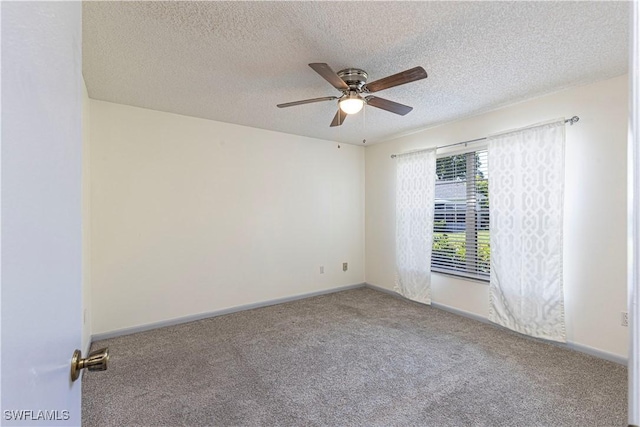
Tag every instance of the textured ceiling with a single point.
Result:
(234, 61)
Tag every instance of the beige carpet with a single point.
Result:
(354, 358)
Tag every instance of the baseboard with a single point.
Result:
(595, 352)
(437, 305)
(461, 312)
(569, 345)
(194, 317)
(215, 313)
(386, 291)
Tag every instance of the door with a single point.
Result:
(40, 211)
(634, 219)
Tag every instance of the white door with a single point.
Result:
(40, 216)
(634, 220)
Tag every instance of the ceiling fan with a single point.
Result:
(352, 82)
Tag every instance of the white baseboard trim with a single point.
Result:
(595, 352)
(461, 312)
(569, 345)
(194, 317)
(386, 291)
(215, 313)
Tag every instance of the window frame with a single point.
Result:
(458, 274)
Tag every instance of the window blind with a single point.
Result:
(461, 216)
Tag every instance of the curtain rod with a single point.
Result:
(571, 121)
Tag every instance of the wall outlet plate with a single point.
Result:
(625, 319)
(322, 269)
(345, 266)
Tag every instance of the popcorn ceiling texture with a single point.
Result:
(234, 61)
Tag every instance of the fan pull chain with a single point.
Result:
(339, 127)
(364, 123)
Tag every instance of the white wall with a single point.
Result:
(86, 221)
(595, 207)
(191, 216)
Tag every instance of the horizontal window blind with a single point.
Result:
(461, 216)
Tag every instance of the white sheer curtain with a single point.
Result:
(415, 200)
(526, 190)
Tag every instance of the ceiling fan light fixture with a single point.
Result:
(352, 83)
(351, 104)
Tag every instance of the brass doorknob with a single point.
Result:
(96, 361)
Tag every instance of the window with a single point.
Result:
(461, 220)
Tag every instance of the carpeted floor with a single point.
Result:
(354, 358)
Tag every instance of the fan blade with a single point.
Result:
(306, 101)
(329, 75)
(338, 119)
(408, 76)
(385, 104)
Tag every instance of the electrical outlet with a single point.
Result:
(345, 266)
(625, 319)
(322, 269)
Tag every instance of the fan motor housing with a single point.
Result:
(355, 78)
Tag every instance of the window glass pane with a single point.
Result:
(461, 216)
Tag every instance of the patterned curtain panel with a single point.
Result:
(415, 198)
(526, 206)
